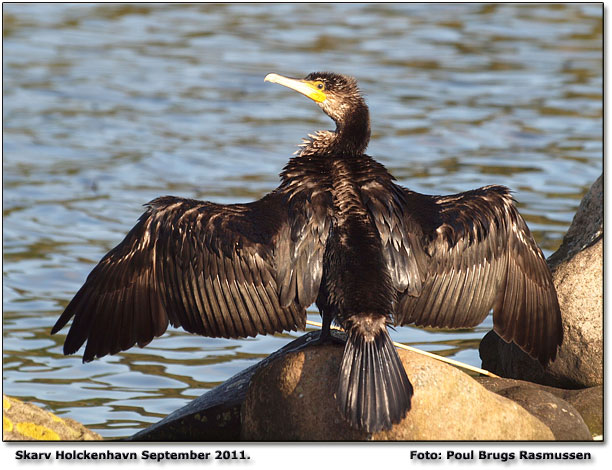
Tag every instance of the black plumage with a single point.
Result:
(339, 231)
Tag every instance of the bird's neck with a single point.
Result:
(351, 136)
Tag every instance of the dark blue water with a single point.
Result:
(108, 106)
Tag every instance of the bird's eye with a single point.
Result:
(320, 86)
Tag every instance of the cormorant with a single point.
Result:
(340, 232)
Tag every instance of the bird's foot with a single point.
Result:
(317, 338)
(329, 337)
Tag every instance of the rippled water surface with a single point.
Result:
(108, 106)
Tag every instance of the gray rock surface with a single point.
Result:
(579, 284)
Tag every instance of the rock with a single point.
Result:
(27, 422)
(211, 417)
(292, 398)
(577, 269)
(562, 418)
(586, 227)
(579, 284)
(215, 416)
(587, 402)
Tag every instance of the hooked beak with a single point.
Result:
(307, 88)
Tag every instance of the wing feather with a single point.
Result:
(454, 258)
(214, 270)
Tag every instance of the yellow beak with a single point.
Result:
(305, 87)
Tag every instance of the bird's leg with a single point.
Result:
(327, 336)
(325, 333)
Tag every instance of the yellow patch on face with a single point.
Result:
(311, 89)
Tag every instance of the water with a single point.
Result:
(109, 106)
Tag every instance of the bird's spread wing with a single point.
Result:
(216, 270)
(454, 258)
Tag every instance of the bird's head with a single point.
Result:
(339, 97)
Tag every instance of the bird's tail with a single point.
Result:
(373, 389)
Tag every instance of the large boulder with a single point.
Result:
(577, 269)
(292, 398)
(586, 227)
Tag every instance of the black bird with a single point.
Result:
(339, 231)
